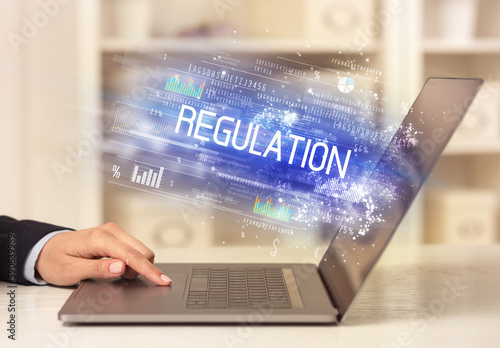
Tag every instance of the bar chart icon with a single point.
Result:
(175, 85)
(281, 213)
(147, 176)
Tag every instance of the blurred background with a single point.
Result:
(61, 65)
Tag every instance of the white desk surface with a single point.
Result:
(404, 303)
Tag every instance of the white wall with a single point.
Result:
(12, 176)
(52, 94)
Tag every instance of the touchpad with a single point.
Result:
(136, 296)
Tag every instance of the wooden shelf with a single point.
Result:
(476, 46)
(472, 147)
(257, 45)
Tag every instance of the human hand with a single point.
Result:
(68, 258)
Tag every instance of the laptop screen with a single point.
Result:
(393, 185)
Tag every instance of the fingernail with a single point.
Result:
(166, 279)
(116, 267)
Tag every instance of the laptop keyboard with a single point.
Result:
(238, 288)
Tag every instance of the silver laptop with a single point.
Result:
(373, 186)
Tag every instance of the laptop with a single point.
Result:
(377, 200)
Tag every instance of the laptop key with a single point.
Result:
(199, 284)
(217, 304)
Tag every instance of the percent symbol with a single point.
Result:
(316, 75)
(116, 171)
(404, 108)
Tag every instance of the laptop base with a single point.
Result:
(140, 301)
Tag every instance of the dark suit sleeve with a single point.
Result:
(16, 240)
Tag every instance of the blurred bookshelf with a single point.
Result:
(421, 41)
(462, 39)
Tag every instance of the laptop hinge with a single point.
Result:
(330, 295)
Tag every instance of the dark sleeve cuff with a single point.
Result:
(17, 237)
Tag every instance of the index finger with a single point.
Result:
(133, 258)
